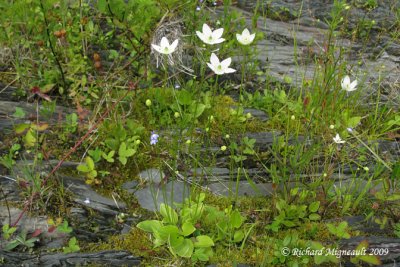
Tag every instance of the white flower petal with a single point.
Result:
(174, 45)
(218, 41)
(246, 32)
(157, 48)
(214, 60)
(251, 38)
(164, 42)
(225, 63)
(353, 85)
(200, 35)
(206, 30)
(229, 70)
(345, 82)
(217, 33)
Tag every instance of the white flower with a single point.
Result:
(210, 37)
(165, 47)
(220, 67)
(347, 86)
(245, 38)
(338, 140)
(87, 201)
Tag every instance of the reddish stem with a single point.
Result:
(72, 150)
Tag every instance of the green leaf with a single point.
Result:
(203, 241)
(19, 113)
(197, 109)
(202, 254)
(184, 249)
(314, 217)
(314, 206)
(184, 97)
(124, 152)
(396, 171)
(169, 214)
(72, 246)
(165, 232)
(109, 157)
(83, 168)
(236, 219)
(187, 228)
(11, 245)
(64, 228)
(29, 139)
(371, 259)
(238, 236)
(393, 197)
(149, 225)
(95, 154)
(352, 122)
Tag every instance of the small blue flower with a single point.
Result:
(153, 138)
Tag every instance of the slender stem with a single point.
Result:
(51, 45)
(73, 149)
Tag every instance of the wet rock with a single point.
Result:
(256, 113)
(392, 244)
(106, 258)
(84, 195)
(152, 175)
(130, 186)
(153, 195)
(215, 174)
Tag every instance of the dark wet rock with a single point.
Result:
(393, 244)
(84, 195)
(280, 56)
(241, 188)
(256, 113)
(10, 189)
(130, 186)
(26, 223)
(362, 224)
(107, 258)
(153, 195)
(215, 174)
(152, 175)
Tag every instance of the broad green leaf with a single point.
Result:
(19, 113)
(197, 109)
(30, 138)
(187, 228)
(238, 236)
(20, 128)
(83, 168)
(149, 226)
(90, 163)
(393, 197)
(184, 97)
(165, 232)
(203, 241)
(371, 259)
(202, 254)
(314, 217)
(236, 219)
(314, 206)
(169, 214)
(184, 249)
(352, 122)
(109, 157)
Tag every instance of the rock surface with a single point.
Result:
(108, 258)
